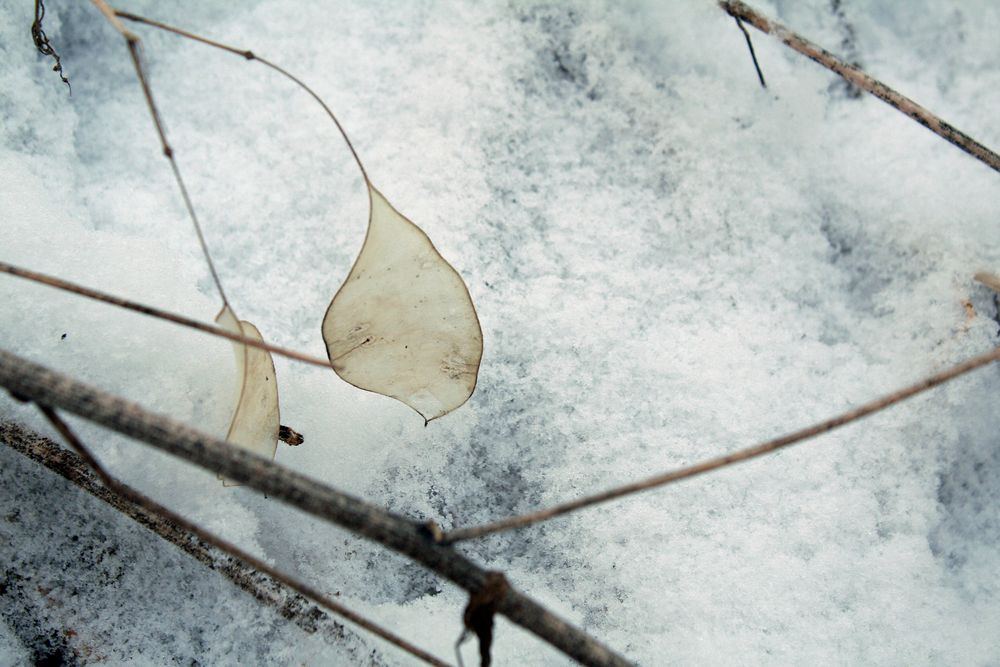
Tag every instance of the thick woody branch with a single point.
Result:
(262, 587)
(30, 381)
(201, 543)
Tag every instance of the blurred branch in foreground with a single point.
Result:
(29, 381)
(266, 584)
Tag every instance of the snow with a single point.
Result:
(668, 263)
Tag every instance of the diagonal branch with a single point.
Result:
(33, 382)
(249, 573)
(726, 460)
(742, 12)
(158, 313)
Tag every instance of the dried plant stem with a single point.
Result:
(73, 288)
(738, 456)
(70, 466)
(857, 77)
(534, 517)
(109, 14)
(247, 562)
(133, 49)
(36, 383)
(249, 55)
(44, 46)
(753, 54)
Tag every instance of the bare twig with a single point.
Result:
(753, 54)
(42, 385)
(738, 456)
(857, 77)
(133, 49)
(104, 297)
(70, 466)
(250, 563)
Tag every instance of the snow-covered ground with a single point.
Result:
(668, 262)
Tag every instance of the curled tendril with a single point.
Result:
(43, 45)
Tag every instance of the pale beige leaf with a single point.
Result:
(403, 324)
(255, 421)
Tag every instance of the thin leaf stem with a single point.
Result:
(249, 55)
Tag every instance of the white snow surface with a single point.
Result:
(668, 261)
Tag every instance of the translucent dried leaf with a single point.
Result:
(403, 324)
(255, 421)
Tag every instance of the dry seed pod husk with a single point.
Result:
(403, 324)
(256, 419)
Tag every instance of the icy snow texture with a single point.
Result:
(668, 263)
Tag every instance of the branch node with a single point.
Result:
(290, 436)
(20, 398)
(478, 616)
(432, 531)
